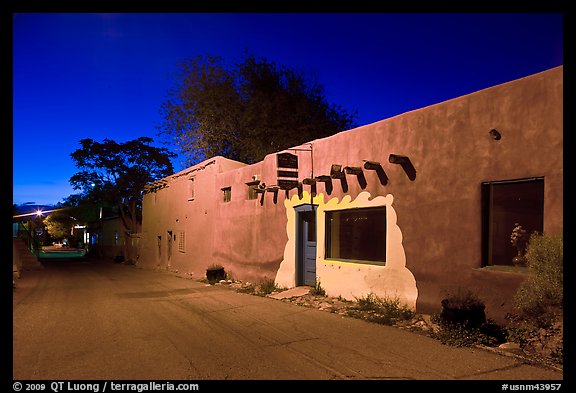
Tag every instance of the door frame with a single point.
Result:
(169, 234)
(300, 241)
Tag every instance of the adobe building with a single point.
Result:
(417, 206)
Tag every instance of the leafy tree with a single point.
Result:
(246, 112)
(84, 208)
(75, 209)
(114, 174)
(59, 225)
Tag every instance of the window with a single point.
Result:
(252, 187)
(227, 192)
(181, 241)
(191, 190)
(357, 234)
(505, 203)
(169, 241)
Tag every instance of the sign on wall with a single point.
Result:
(287, 160)
(287, 170)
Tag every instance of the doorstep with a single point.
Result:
(292, 292)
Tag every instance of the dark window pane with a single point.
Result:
(227, 194)
(356, 234)
(252, 192)
(504, 205)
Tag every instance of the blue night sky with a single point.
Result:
(90, 75)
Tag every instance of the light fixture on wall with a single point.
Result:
(336, 171)
(261, 189)
(495, 134)
(405, 163)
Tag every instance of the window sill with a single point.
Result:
(503, 268)
(355, 261)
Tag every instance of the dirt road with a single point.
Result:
(101, 320)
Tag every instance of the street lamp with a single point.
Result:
(38, 232)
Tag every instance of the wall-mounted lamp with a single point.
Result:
(261, 189)
(495, 134)
(405, 163)
(336, 172)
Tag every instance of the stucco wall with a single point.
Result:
(171, 210)
(449, 145)
(348, 279)
(251, 234)
(437, 214)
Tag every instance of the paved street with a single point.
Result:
(101, 320)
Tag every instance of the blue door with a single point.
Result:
(306, 245)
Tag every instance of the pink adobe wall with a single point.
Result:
(173, 209)
(439, 213)
(250, 237)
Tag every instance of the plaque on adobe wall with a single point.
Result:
(287, 184)
(287, 160)
(292, 174)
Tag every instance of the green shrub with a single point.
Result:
(542, 293)
(267, 286)
(463, 307)
(247, 288)
(318, 290)
(459, 335)
(463, 300)
(380, 310)
(462, 322)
